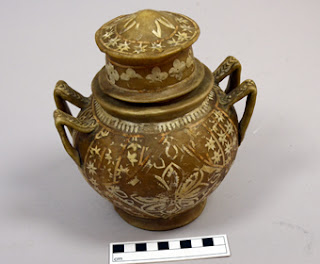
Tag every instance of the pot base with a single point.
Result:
(163, 224)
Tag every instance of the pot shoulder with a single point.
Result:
(209, 117)
(137, 163)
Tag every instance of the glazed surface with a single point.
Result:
(158, 135)
(164, 171)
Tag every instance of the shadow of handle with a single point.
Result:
(236, 91)
(63, 117)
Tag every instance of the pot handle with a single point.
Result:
(63, 93)
(236, 91)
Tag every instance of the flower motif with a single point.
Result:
(187, 28)
(181, 20)
(157, 46)
(185, 195)
(134, 146)
(182, 36)
(189, 61)
(93, 181)
(95, 150)
(156, 75)
(108, 34)
(177, 69)
(210, 144)
(222, 137)
(215, 128)
(173, 42)
(229, 128)
(216, 157)
(108, 156)
(130, 73)
(228, 148)
(113, 42)
(123, 46)
(219, 116)
(121, 169)
(91, 168)
(140, 49)
(112, 73)
(132, 158)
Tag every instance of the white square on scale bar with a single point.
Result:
(217, 241)
(129, 248)
(196, 243)
(174, 244)
(152, 246)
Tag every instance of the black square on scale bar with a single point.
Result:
(118, 248)
(141, 247)
(185, 243)
(163, 245)
(207, 242)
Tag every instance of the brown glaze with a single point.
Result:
(158, 135)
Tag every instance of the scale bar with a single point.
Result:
(169, 250)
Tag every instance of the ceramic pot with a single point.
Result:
(158, 135)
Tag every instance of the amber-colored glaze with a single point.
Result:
(158, 135)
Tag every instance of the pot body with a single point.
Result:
(161, 172)
(158, 174)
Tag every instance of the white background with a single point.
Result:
(268, 205)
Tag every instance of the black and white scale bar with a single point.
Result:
(169, 250)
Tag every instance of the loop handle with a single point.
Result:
(236, 91)
(63, 93)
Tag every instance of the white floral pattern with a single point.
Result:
(91, 168)
(156, 75)
(140, 48)
(130, 74)
(115, 170)
(173, 42)
(123, 46)
(108, 34)
(186, 193)
(157, 46)
(216, 157)
(210, 144)
(108, 156)
(181, 31)
(219, 116)
(182, 36)
(95, 151)
(182, 20)
(177, 69)
(112, 73)
(187, 28)
(229, 128)
(189, 61)
(113, 41)
(132, 157)
(222, 138)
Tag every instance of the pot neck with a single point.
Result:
(201, 84)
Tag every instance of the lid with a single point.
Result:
(149, 56)
(147, 34)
